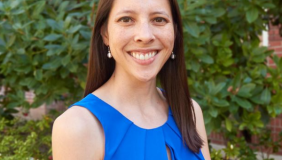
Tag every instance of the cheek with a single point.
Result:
(118, 35)
(166, 35)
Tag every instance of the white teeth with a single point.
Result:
(143, 56)
(146, 56)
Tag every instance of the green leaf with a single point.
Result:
(228, 62)
(266, 96)
(259, 124)
(210, 20)
(193, 29)
(75, 40)
(280, 64)
(51, 52)
(85, 34)
(14, 4)
(53, 24)
(206, 59)
(11, 41)
(53, 46)
(52, 37)
(268, 5)
(77, 5)
(237, 80)
(198, 3)
(252, 14)
(1, 5)
(2, 42)
(218, 12)
(54, 64)
(213, 112)
(221, 103)
(257, 99)
(207, 118)
(82, 84)
(64, 5)
(66, 60)
(242, 126)
(233, 108)
(38, 74)
(21, 51)
(74, 29)
(243, 103)
(218, 88)
(195, 66)
(245, 90)
(12, 105)
(29, 82)
(67, 21)
(72, 68)
(228, 125)
(38, 8)
(17, 12)
(278, 109)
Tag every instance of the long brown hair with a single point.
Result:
(173, 76)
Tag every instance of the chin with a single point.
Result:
(146, 78)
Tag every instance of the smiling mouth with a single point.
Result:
(143, 56)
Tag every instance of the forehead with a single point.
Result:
(141, 6)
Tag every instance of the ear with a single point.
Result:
(104, 34)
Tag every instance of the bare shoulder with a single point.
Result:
(200, 125)
(77, 134)
(197, 107)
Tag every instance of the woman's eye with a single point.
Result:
(125, 19)
(160, 20)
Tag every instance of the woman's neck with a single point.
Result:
(123, 91)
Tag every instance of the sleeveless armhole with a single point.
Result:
(108, 118)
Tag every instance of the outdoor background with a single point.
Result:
(232, 50)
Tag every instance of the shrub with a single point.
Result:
(228, 73)
(25, 139)
(44, 44)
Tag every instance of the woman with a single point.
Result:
(123, 115)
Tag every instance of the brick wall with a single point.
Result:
(274, 43)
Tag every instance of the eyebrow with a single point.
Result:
(132, 11)
(125, 11)
(160, 12)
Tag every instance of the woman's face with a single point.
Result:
(140, 34)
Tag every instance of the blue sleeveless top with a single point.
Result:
(126, 141)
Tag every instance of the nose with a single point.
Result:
(144, 33)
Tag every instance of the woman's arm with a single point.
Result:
(77, 135)
(201, 129)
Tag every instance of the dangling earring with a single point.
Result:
(172, 55)
(109, 53)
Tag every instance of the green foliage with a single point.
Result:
(228, 73)
(267, 144)
(25, 139)
(238, 148)
(43, 46)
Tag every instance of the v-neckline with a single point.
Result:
(127, 119)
